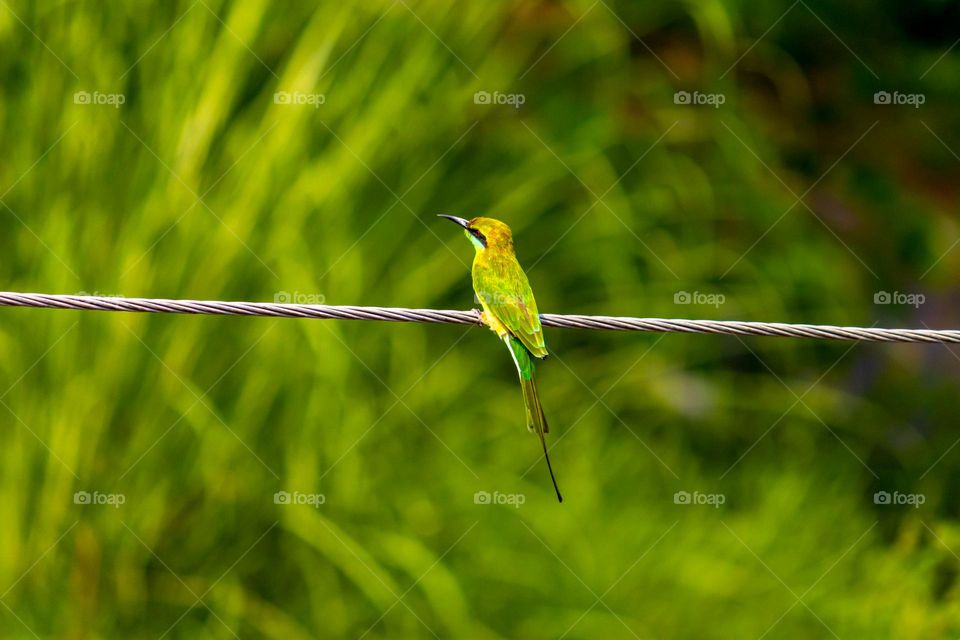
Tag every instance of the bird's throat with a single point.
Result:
(475, 242)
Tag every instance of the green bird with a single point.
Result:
(510, 311)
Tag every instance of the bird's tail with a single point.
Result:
(536, 420)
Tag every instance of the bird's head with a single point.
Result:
(485, 233)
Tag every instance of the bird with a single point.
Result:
(510, 311)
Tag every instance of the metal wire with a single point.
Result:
(395, 314)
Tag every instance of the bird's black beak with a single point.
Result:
(460, 221)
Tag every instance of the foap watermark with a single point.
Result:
(99, 294)
(696, 98)
(95, 497)
(312, 499)
(512, 499)
(299, 99)
(896, 498)
(515, 100)
(898, 297)
(699, 297)
(696, 498)
(298, 297)
(495, 299)
(97, 98)
(900, 99)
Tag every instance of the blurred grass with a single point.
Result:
(201, 186)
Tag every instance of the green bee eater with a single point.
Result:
(510, 311)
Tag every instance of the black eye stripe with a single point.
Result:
(479, 236)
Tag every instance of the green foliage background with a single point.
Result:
(201, 186)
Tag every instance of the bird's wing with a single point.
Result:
(513, 304)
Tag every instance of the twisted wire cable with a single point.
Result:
(396, 314)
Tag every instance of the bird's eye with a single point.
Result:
(479, 236)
